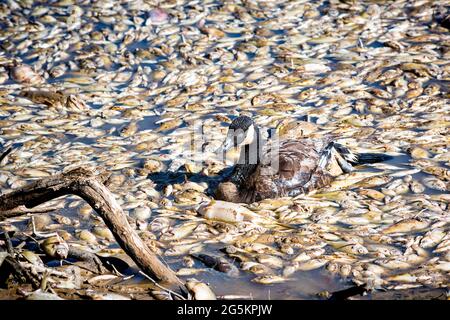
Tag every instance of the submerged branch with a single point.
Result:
(89, 186)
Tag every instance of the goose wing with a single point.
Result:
(297, 169)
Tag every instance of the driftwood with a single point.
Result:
(87, 185)
(21, 210)
(11, 266)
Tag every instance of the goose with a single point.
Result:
(285, 167)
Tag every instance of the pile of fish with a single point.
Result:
(124, 85)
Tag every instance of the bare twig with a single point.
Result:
(163, 288)
(9, 246)
(21, 210)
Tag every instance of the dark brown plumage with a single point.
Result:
(304, 165)
(298, 172)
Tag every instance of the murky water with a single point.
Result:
(375, 74)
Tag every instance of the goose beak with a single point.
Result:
(227, 145)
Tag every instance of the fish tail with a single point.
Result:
(285, 225)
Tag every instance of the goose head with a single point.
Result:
(241, 132)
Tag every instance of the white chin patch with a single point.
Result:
(250, 135)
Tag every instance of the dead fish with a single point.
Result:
(179, 232)
(199, 290)
(157, 16)
(40, 295)
(224, 211)
(189, 271)
(311, 264)
(106, 296)
(217, 263)
(269, 279)
(23, 73)
(406, 226)
(55, 247)
(129, 129)
(393, 264)
(432, 238)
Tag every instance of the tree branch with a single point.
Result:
(87, 185)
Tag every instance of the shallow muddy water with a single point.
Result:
(137, 78)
